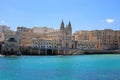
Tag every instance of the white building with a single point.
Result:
(42, 43)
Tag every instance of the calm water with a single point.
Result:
(84, 67)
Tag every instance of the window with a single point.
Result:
(11, 49)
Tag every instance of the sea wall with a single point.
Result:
(36, 51)
(101, 52)
(44, 51)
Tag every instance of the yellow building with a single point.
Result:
(106, 39)
(26, 38)
(85, 40)
(117, 39)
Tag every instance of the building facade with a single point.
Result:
(52, 38)
(85, 40)
(11, 43)
(106, 39)
(44, 37)
(66, 35)
(42, 43)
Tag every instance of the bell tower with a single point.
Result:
(69, 28)
(62, 26)
(66, 35)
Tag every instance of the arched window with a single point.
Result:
(11, 49)
(6, 49)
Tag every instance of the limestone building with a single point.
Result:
(66, 35)
(85, 40)
(61, 38)
(106, 39)
(11, 43)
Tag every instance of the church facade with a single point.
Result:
(66, 35)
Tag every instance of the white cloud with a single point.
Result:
(109, 20)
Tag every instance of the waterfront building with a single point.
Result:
(85, 40)
(117, 40)
(45, 43)
(44, 37)
(86, 45)
(11, 43)
(61, 38)
(66, 35)
(97, 38)
(82, 35)
(30, 40)
(106, 39)
(26, 38)
(26, 34)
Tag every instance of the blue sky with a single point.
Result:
(83, 14)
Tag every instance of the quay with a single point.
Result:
(50, 51)
(64, 51)
(55, 51)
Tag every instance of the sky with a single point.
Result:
(83, 14)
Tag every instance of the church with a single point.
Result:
(66, 38)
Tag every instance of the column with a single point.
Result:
(64, 51)
(45, 51)
(52, 51)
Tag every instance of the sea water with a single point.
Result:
(83, 67)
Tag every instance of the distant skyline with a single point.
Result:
(83, 14)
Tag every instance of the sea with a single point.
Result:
(79, 67)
